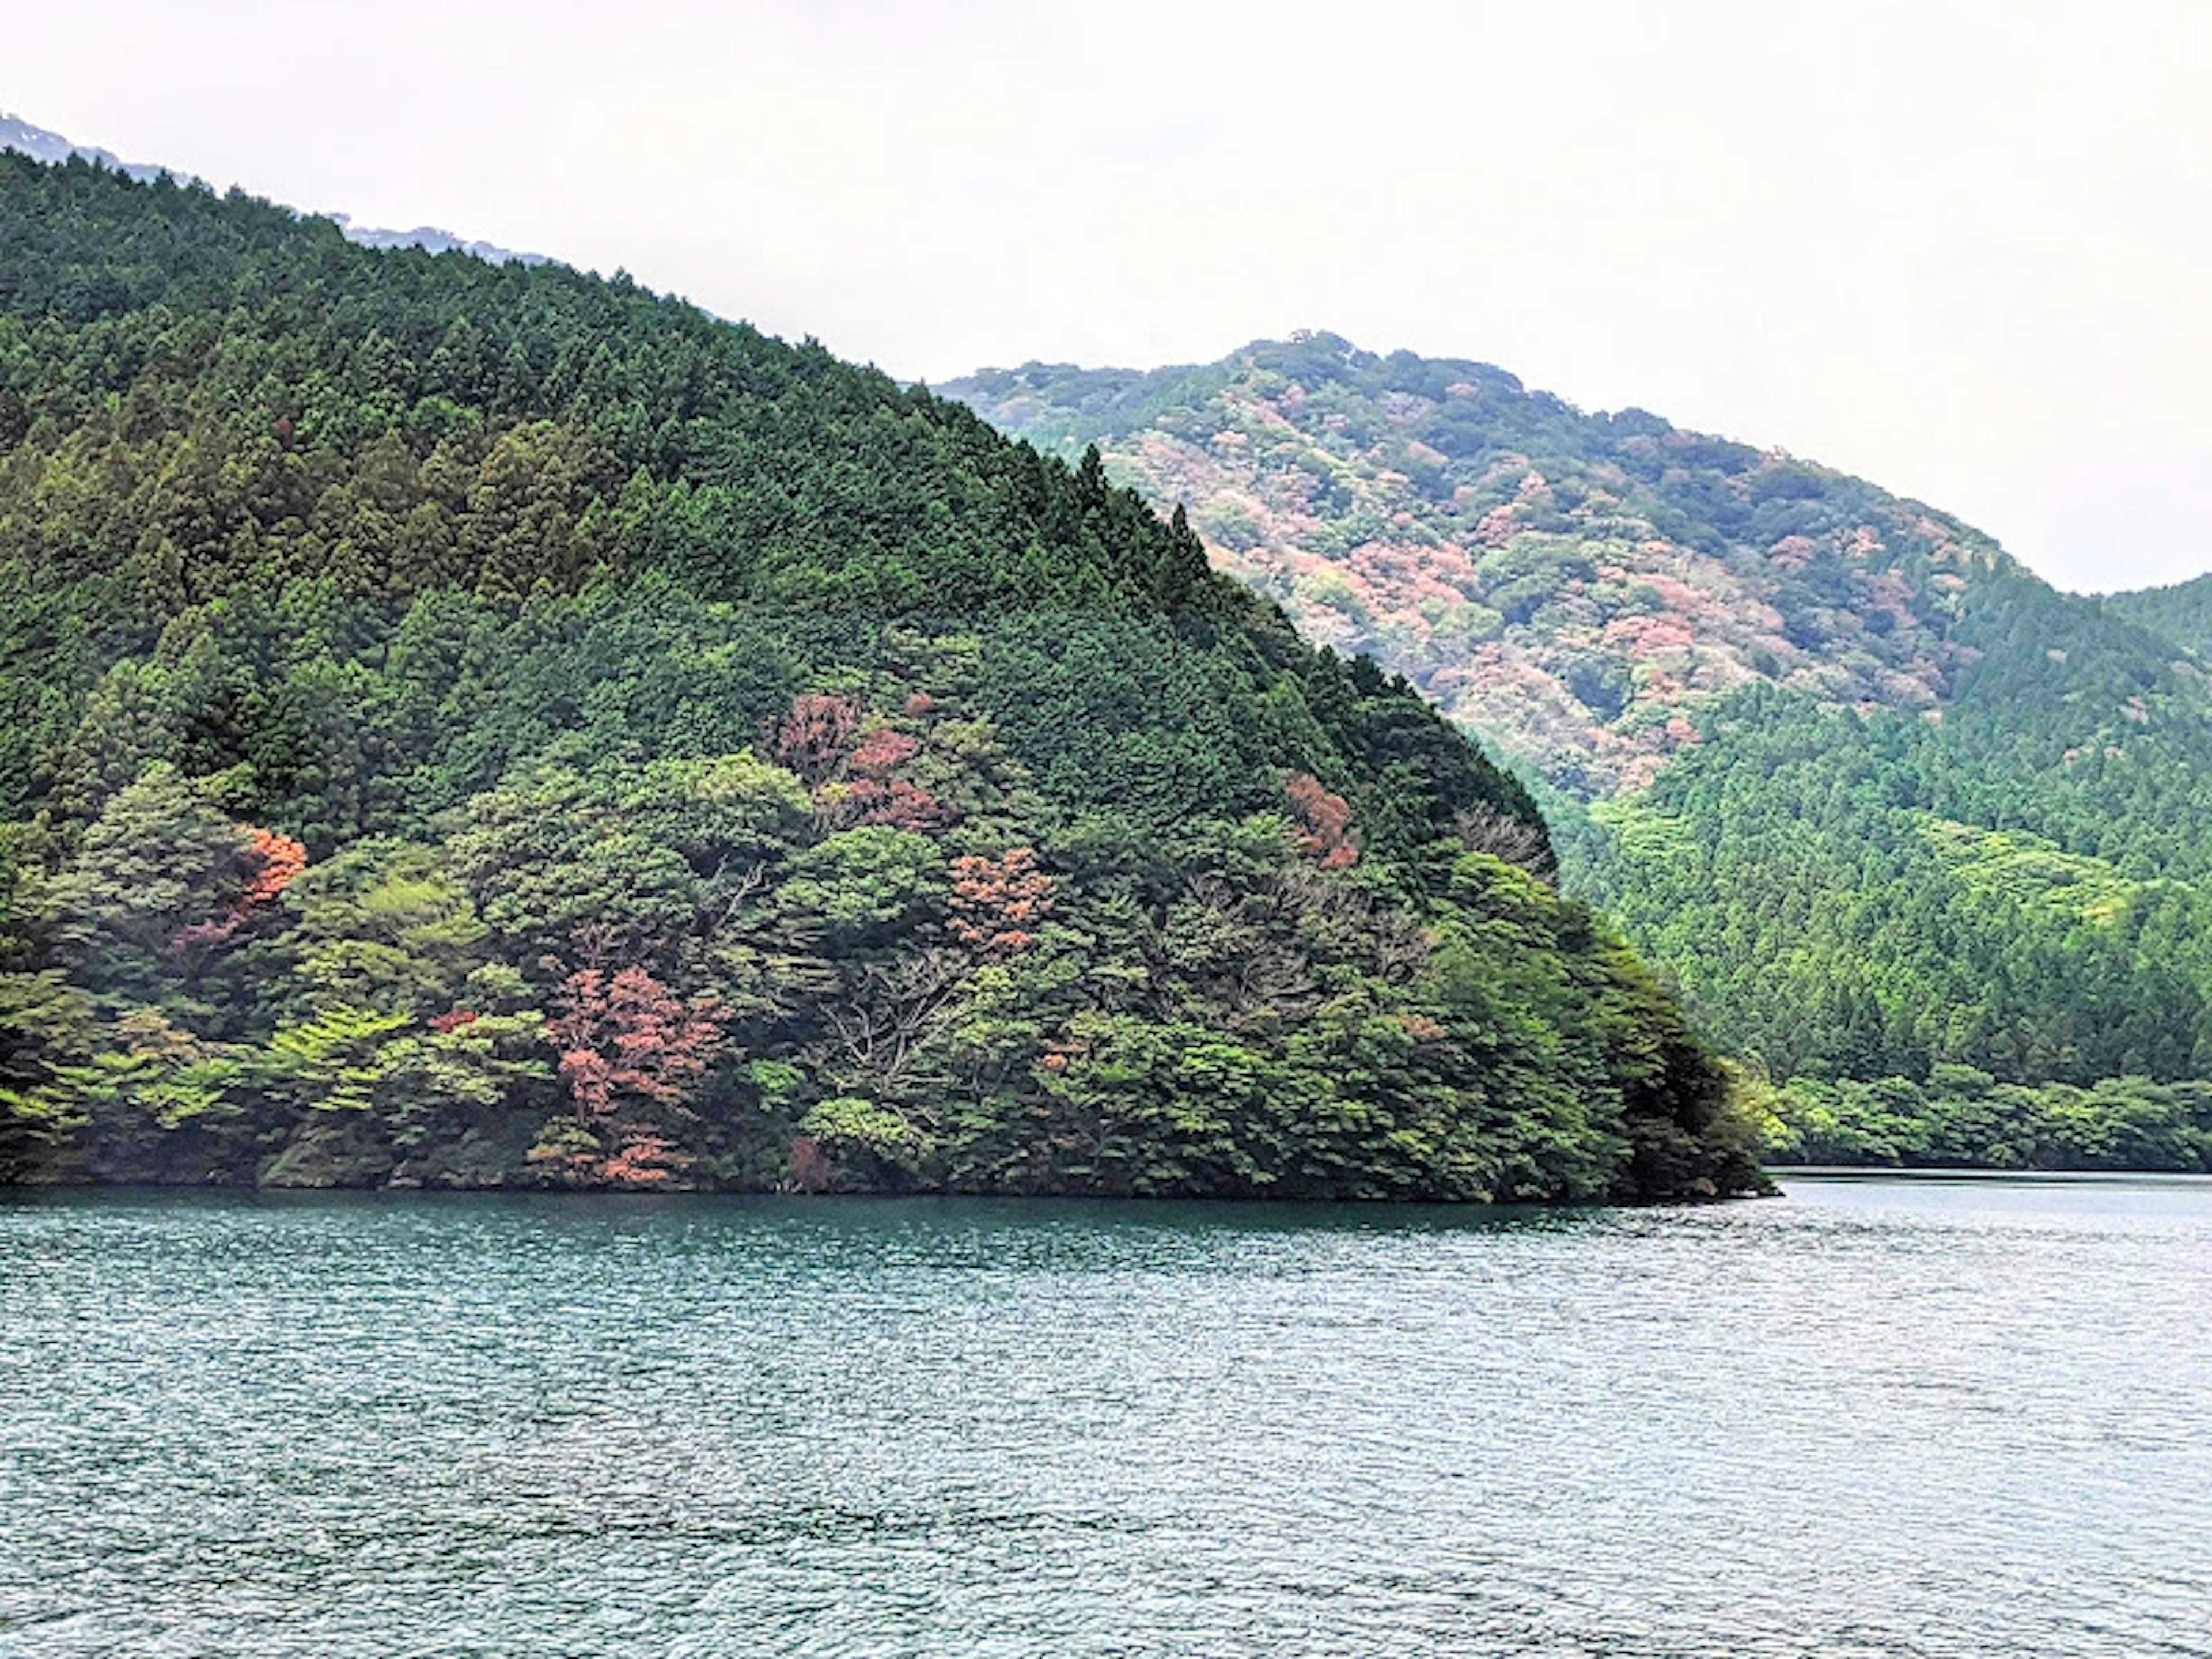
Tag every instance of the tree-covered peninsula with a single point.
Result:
(483, 724)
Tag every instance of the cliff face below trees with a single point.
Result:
(1919, 836)
(482, 725)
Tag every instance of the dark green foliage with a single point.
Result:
(712, 764)
(2182, 613)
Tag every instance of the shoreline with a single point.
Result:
(1969, 1173)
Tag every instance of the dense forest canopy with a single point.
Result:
(483, 724)
(2181, 614)
(1889, 808)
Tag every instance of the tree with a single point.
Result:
(812, 740)
(631, 1053)
(997, 904)
(1322, 822)
(162, 879)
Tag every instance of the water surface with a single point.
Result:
(1872, 1417)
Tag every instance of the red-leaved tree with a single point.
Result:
(1322, 821)
(878, 797)
(270, 862)
(883, 752)
(276, 859)
(631, 1053)
(997, 902)
(856, 781)
(900, 804)
(812, 738)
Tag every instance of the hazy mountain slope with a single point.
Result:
(480, 724)
(42, 145)
(1886, 803)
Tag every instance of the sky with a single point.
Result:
(1956, 246)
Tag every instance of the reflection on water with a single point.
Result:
(1892, 1417)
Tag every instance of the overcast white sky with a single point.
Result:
(1957, 245)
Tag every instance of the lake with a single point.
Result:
(1873, 1417)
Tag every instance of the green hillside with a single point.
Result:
(2182, 613)
(1889, 808)
(486, 725)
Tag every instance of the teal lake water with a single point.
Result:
(1875, 1417)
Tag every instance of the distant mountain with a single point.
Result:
(1574, 585)
(434, 240)
(45, 146)
(40, 144)
(1895, 811)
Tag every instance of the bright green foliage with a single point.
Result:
(383, 925)
(333, 1062)
(852, 1130)
(1874, 897)
(715, 765)
(1963, 1116)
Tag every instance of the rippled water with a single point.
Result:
(1872, 1417)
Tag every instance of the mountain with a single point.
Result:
(431, 240)
(36, 143)
(480, 725)
(1575, 585)
(1915, 831)
(23, 138)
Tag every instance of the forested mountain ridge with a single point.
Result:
(1893, 811)
(480, 724)
(2181, 613)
